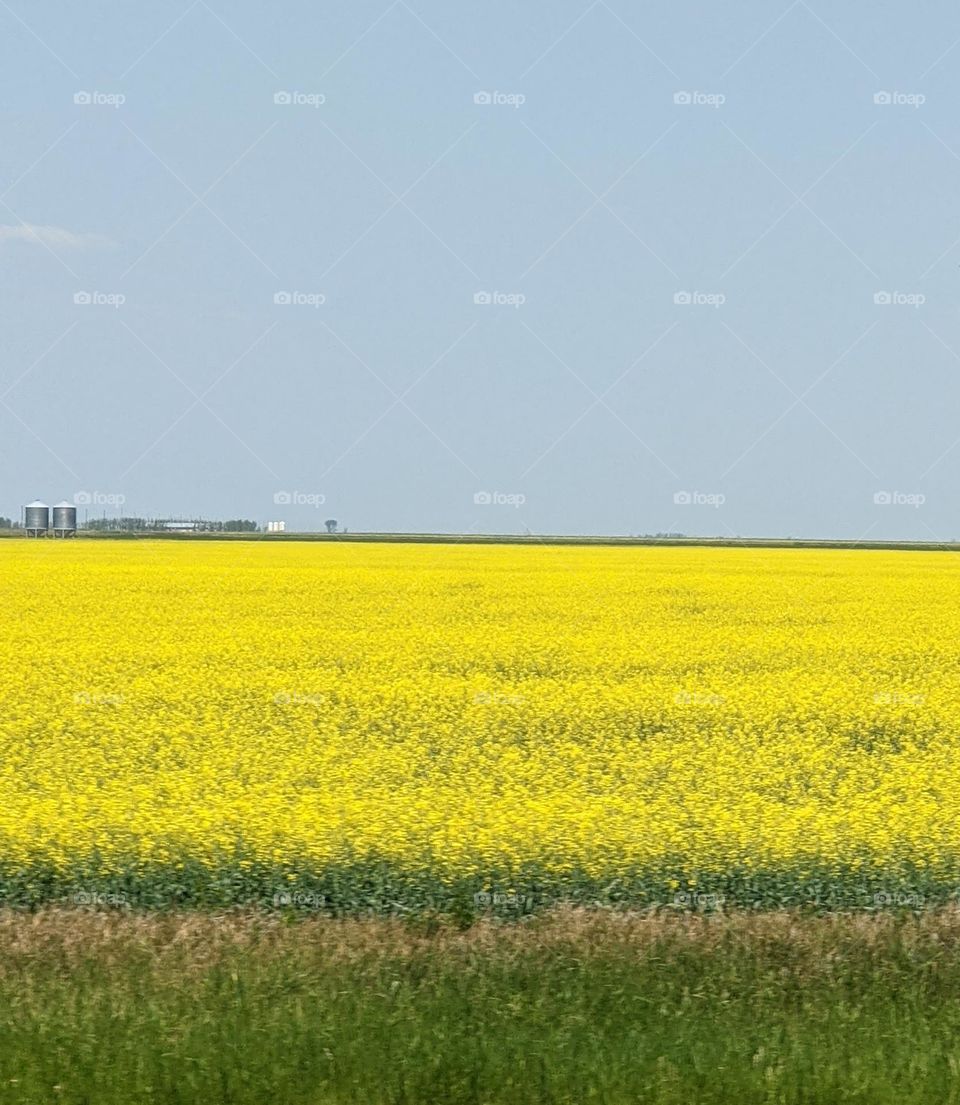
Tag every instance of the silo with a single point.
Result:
(64, 519)
(36, 519)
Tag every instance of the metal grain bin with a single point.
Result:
(64, 520)
(36, 518)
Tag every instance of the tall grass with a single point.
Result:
(106, 1007)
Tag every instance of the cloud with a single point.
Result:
(53, 236)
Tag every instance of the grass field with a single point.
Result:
(463, 730)
(110, 1008)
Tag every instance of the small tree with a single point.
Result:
(331, 524)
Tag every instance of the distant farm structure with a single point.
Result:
(135, 524)
(37, 520)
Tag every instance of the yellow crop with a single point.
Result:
(471, 710)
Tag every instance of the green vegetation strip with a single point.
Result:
(533, 540)
(571, 1007)
(379, 888)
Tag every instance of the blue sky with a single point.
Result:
(577, 268)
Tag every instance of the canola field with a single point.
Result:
(393, 728)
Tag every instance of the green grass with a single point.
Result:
(518, 539)
(575, 1007)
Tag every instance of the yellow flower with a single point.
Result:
(475, 710)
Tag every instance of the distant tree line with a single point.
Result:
(111, 524)
(140, 525)
(152, 525)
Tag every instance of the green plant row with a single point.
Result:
(381, 888)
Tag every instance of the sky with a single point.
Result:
(564, 267)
